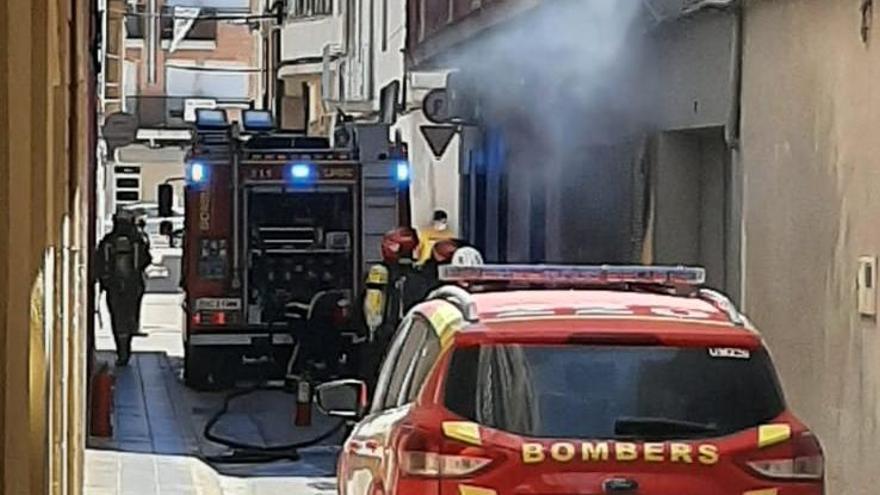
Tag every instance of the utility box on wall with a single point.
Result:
(867, 286)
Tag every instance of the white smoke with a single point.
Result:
(563, 65)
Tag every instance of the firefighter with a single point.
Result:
(122, 258)
(438, 231)
(383, 301)
(427, 278)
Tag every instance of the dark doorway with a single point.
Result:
(692, 202)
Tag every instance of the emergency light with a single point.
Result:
(211, 119)
(257, 121)
(197, 173)
(301, 172)
(574, 275)
(403, 172)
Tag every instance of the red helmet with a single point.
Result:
(399, 244)
(444, 250)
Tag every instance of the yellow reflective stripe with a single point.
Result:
(443, 318)
(769, 435)
(463, 431)
(767, 491)
(475, 490)
(378, 275)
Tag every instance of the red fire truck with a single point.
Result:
(280, 229)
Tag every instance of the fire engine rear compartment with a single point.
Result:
(300, 241)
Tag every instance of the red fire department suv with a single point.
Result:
(574, 380)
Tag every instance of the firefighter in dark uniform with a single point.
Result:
(123, 257)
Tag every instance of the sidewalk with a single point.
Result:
(158, 444)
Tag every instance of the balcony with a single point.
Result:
(302, 9)
(436, 26)
(202, 32)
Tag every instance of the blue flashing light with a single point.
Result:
(257, 120)
(197, 173)
(402, 172)
(301, 172)
(211, 119)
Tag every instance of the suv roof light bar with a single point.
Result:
(575, 275)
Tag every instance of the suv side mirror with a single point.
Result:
(343, 398)
(165, 195)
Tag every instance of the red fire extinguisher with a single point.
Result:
(102, 404)
(303, 404)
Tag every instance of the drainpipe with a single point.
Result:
(371, 80)
(733, 136)
(153, 41)
(732, 130)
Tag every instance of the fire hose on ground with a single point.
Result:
(246, 453)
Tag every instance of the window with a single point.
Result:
(405, 362)
(611, 392)
(128, 183)
(211, 83)
(128, 196)
(310, 8)
(388, 365)
(421, 366)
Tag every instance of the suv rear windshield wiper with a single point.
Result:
(660, 427)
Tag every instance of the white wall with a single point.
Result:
(434, 183)
(389, 64)
(370, 66)
(306, 38)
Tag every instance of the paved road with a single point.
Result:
(158, 447)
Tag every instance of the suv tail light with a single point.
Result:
(428, 455)
(434, 465)
(800, 459)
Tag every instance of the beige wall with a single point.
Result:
(235, 43)
(44, 149)
(811, 156)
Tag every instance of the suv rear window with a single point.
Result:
(611, 392)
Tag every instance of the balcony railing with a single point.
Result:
(310, 8)
(172, 112)
(135, 25)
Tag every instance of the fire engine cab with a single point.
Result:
(279, 230)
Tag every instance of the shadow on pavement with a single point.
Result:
(154, 413)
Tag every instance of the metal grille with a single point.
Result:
(311, 8)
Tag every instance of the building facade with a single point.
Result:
(47, 108)
(161, 81)
(613, 125)
(339, 56)
(810, 209)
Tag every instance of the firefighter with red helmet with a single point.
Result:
(382, 308)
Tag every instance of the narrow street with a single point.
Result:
(511, 247)
(158, 445)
